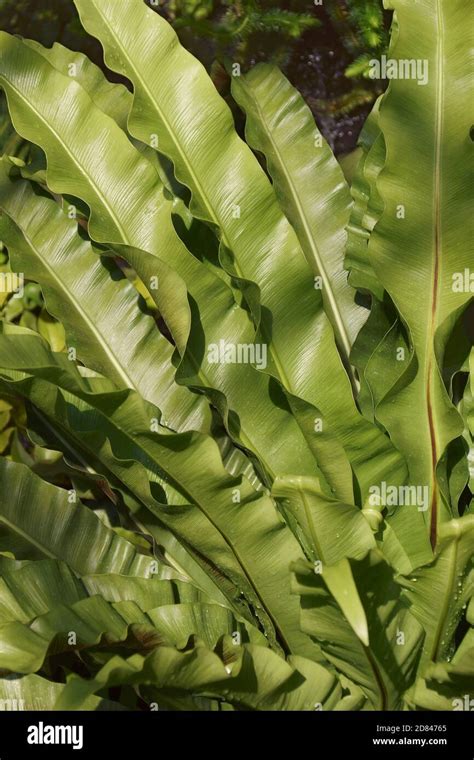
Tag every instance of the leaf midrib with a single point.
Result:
(71, 155)
(311, 242)
(448, 596)
(127, 380)
(13, 527)
(76, 305)
(213, 218)
(198, 504)
(430, 371)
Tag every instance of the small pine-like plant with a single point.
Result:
(240, 27)
(362, 29)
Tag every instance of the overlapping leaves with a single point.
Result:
(235, 558)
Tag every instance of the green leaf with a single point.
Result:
(52, 331)
(34, 693)
(332, 529)
(254, 678)
(112, 99)
(161, 509)
(385, 667)
(217, 308)
(420, 237)
(466, 409)
(119, 341)
(447, 686)
(42, 604)
(215, 512)
(30, 589)
(447, 585)
(63, 527)
(176, 102)
(309, 185)
(367, 206)
(340, 583)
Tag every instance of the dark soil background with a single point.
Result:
(316, 68)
